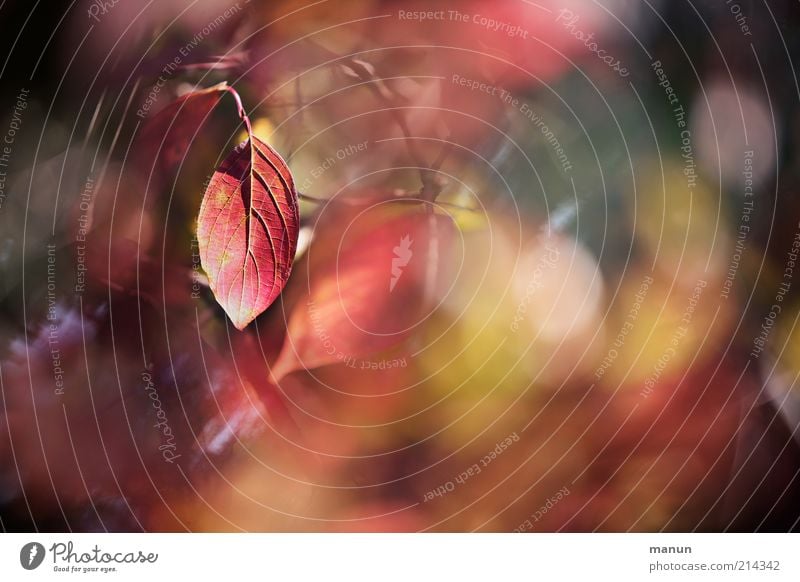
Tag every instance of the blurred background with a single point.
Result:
(547, 276)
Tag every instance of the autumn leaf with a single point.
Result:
(247, 230)
(165, 138)
(372, 294)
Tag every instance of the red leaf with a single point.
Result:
(247, 230)
(165, 138)
(372, 295)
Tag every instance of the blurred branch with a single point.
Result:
(402, 196)
(365, 73)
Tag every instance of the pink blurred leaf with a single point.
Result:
(371, 296)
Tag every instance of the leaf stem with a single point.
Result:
(240, 110)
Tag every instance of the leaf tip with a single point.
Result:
(240, 319)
